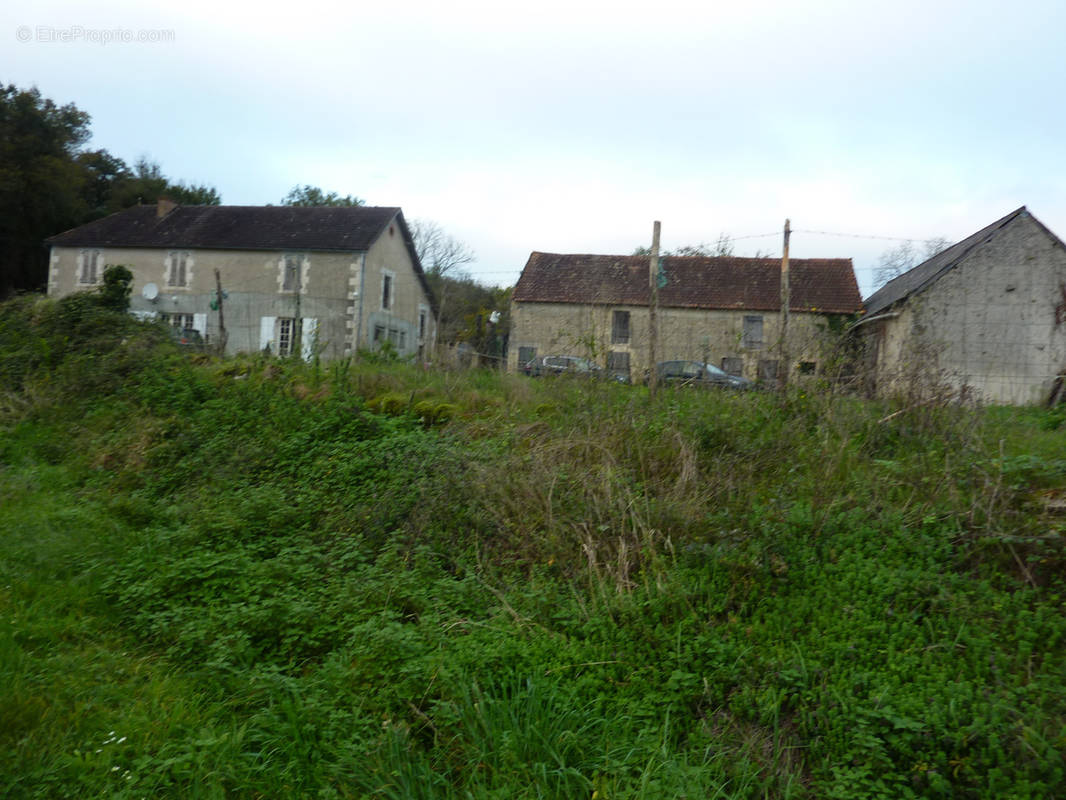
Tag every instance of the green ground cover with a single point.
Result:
(262, 578)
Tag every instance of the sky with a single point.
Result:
(570, 126)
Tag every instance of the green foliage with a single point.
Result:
(50, 184)
(244, 578)
(115, 290)
(314, 196)
(465, 308)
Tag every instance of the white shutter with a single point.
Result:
(308, 337)
(199, 323)
(266, 331)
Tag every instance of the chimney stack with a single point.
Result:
(163, 206)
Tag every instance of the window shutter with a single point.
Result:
(199, 323)
(266, 331)
(308, 337)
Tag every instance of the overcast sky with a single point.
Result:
(571, 126)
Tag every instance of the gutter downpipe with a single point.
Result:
(362, 286)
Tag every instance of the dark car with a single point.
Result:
(697, 373)
(561, 365)
(188, 337)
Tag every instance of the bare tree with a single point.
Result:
(905, 256)
(439, 252)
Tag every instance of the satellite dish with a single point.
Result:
(150, 291)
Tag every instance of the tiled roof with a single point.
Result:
(927, 272)
(816, 284)
(235, 228)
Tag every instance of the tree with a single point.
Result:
(723, 247)
(313, 196)
(438, 252)
(458, 295)
(115, 291)
(48, 184)
(146, 183)
(104, 173)
(40, 182)
(905, 256)
(466, 315)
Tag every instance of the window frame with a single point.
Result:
(286, 338)
(178, 319)
(178, 258)
(525, 350)
(748, 338)
(621, 330)
(388, 290)
(618, 362)
(292, 265)
(89, 265)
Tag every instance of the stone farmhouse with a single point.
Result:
(335, 280)
(986, 318)
(719, 310)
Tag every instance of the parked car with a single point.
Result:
(561, 365)
(697, 373)
(188, 337)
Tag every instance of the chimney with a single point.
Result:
(163, 206)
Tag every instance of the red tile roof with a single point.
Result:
(825, 285)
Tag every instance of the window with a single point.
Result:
(733, 366)
(90, 266)
(767, 370)
(618, 362)
(177, 320)
(525, 355)
(752, 332)
(395, 336)
(807, 367)
(421, 323)
(620, 327)
(290, 275)
(286, 332)
(386, 291)
(178, 274)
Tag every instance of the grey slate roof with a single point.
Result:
(235, 228)
(926, 273)
(825, 285)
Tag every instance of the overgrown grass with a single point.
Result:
(264, 578)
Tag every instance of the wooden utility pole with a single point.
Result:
(786, 301)
(222, 335)
(653, 310)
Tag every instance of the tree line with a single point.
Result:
(51, 182)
